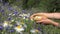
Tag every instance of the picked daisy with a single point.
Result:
(19, 28)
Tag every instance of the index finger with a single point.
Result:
(32, 16)
(36, 14)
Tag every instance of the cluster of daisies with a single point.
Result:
(13, 20)
(18, 25)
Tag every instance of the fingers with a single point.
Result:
(37, 14)
(45, 21)
(32, 16)
(38, 21)
(55, 23)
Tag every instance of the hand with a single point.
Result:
(44, 20)
(49, 22)
(38, 14)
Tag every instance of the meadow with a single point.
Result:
(16, 20)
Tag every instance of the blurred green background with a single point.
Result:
(42, 5)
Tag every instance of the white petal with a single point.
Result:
(19, 29)
(33, 31)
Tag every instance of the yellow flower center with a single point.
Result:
(19, 27)
(37, 30)
(5, 23)
(37, 18)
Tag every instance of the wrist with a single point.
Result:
(49, 15)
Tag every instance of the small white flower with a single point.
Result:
(24, 18)
(12, 20)
(24, 14)
(34, 31)
(19, 28)
(21, 15)
(27, 15)
(10, 14)
(5, 24)
(13, 14)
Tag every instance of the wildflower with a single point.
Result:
(12, 20)
(34, 30)
(31, 19)
(25, 16)
(37, 18)
(15, 25)
(24, 25)
(15, 12)
(1, 27)
(9, 18)
(19, 28)
(2, 10)
(23, 11)
(5, 24)
(10, 14)
(10, 8)
(12, 30)
(39, 29)
(21, 15)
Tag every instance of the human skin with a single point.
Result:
(47, 20)
(49, 15)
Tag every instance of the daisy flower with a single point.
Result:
(5, 24)
(19, 28)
